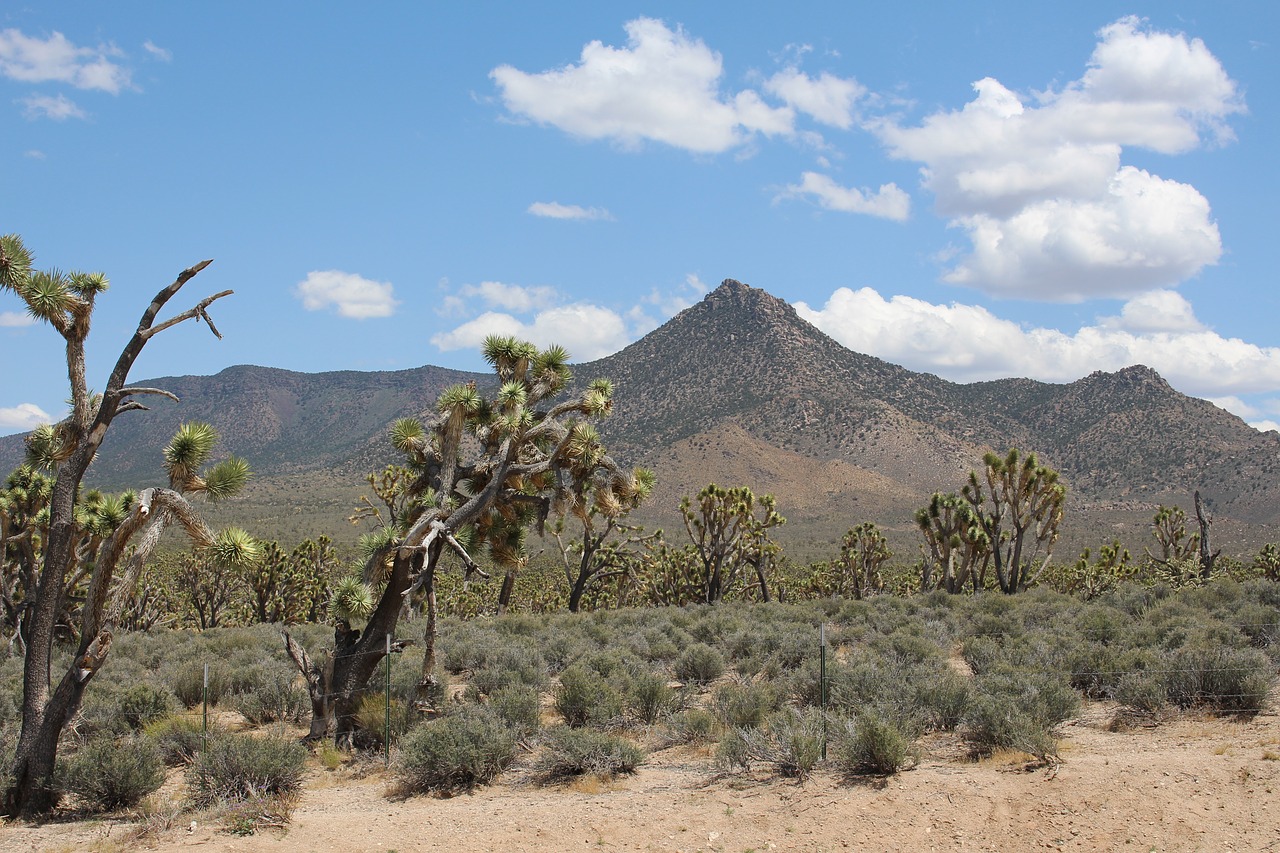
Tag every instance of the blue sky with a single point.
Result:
(975, 190)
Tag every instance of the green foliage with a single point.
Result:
(109, 774)
(649, 698)
(585, 698)
(279, 697)
(870, 744)
(519, 706)
(143, 704)
(569, 752)
(456, 752)
(246, 767)
(699, 664)
(1017, 710)
(744, 706)
(179, 738)
(790, 743)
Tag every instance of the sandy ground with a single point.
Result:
(1192, 783)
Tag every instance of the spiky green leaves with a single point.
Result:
(408, 435)
(48, 447)
(352, 600)
(189, 448)
(15, 263)
(235, 547)
(227, 478)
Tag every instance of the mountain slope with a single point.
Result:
(738, 389)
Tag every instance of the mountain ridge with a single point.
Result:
(740, 388)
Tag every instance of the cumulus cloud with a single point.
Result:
(23, 416)
(58, 108)
(349, 294)
(586, 331)
(827, 98)
(511, 297)
(556, 210)
(539, 314)
(1038, 185)
(664, 86)
(967, 343)
(888, 202)
(13, 319)
(57, 60)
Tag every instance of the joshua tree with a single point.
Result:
(1020, 512)
(726, 534)
(598, 500)
(863, 552)
(477, 476)
(66, 302)
(957, 544)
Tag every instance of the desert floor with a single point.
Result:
(1188, 783)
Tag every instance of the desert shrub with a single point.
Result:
(870, 744)
(109, 774)
(178, 738)
(744, 705)
(519, 706)
(1218, 677)
(188, 684)
(143, 704)
(1017, 710)
(612, 662)
(456, 752)
(571, 752)
(995, 722)
(942, 700)
(699, 664)
(277, 698)
(694, 725)
(584, 697)
(371, 717)
(649, 698)
(245, 767)
(790, 743)
(1142, 691)
(514, 664)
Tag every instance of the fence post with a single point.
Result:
(204, 729)
(822, 682)
(386, 734)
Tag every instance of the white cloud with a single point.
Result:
(556, 210)
(57, 60)
(967, 343)
(664, 86)
(829, 99)
(23, 416)
(1265, 426)
(587, 331)
(1038, 185)
(58, 108)
(34, 154)
(1143, 232)
(511, 297)
(14, 319)
(158, 52)
(1157, 311)
(889, 202)
(349, 294)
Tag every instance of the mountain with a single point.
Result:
(738, 389)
